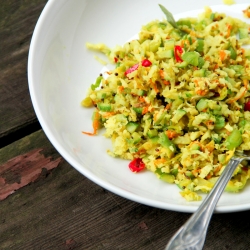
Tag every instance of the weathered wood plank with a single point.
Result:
(64, 210)
(17, 22)
(23, 169)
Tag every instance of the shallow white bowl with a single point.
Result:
(60, 70)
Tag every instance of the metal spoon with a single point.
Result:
(192, 235)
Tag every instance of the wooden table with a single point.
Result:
(54, 206)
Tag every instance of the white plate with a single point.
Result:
(60, 69)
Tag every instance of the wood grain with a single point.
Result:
(17, 22)
(65, 210)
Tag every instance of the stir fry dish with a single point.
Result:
(177, 101)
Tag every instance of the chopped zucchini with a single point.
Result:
(105, 107)
(152, 133)
(132, 126)
(243, 33)
(167, 177)
(202, 104)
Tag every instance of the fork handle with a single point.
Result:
(192, 235)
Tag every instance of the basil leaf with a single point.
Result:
(169, 16)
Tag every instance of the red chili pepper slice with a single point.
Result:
(136, 165)
(146, 63)
(245, 168)
(247, 106)
(131, 69)
(115, 59)
(177, 53)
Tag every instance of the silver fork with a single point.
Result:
(192, 235)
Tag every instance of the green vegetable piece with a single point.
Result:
(217, 112)
(158, 172)
(132, 126)
(199, 26)
(195, 147)
(191, 57)
(167, 177)
(138, 110)
(216, 139)
(222, 158)
(199, 73)
(162, 25)
(96, 118)
(152, 133)
(184, 183)
(184, 22)
(154, 140)
(233, 53)
(189, 174)
(201, 62)
(214, 106)
(165, 53)
(176, 34)
(212, 16)
(233, 140)
(154, 45)
(230, 187)
(166, 143)
(136, 138)
(117, 65)
(169, 16)
(169, 53)
(188, 94)
(174, 171)
(121, 118)
(219, 122)
(97, 83)
(200, 45)
(233, 184)
(133, 150)
(105, 107)
(141, 92)
(239, 69)
(202, 104)
(242, 123)
(190, 40)
(100, 95)
(243, 33)
(182, 64)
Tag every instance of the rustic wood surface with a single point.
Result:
(53, 206)
(17, 22)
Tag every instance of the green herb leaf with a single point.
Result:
(169, 16)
